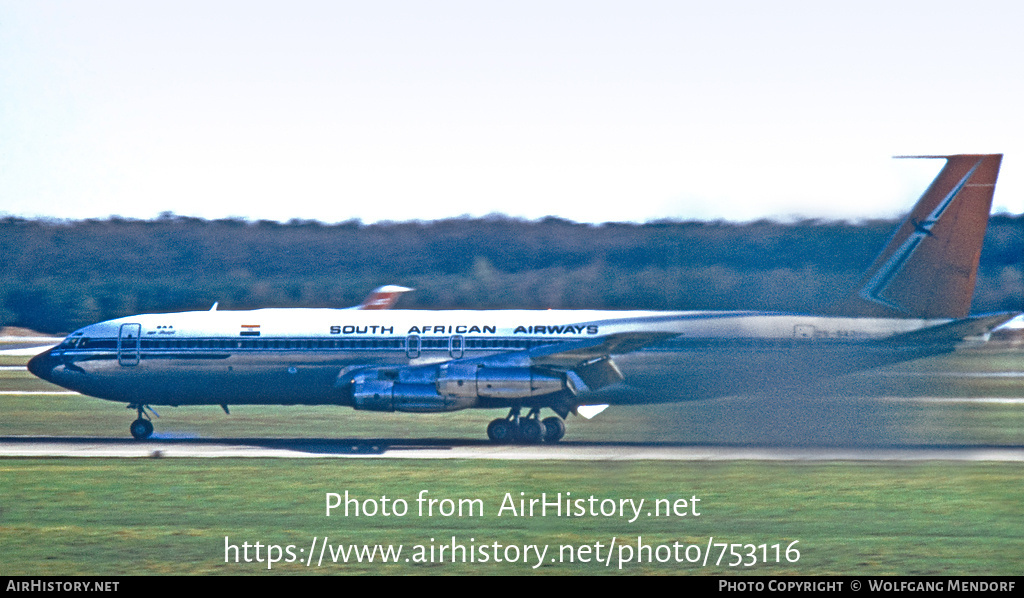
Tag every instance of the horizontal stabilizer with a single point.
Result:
(955, 331)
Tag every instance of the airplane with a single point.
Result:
(913, 302)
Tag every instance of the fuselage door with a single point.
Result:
(412, 346)
(456, 346)
(129, 344)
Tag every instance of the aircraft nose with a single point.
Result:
(42, 365)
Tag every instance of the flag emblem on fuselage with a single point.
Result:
(250, 330)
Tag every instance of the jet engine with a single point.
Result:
(388, 395)
(448, 387)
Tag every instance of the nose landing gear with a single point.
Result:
(142, 428)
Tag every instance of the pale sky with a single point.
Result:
(591, 110)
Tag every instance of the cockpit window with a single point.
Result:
(74, 343)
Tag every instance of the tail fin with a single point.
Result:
(930, 264)
(382, 297)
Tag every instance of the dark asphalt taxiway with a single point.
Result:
(319, 448)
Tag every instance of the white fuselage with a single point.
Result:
(306, 356)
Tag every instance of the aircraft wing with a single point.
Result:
(585, 363)
(576, 352)
(567, 354)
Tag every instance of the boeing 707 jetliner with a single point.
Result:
(913, 302)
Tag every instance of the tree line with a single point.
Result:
(61, 275)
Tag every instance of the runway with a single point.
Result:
(313, 448)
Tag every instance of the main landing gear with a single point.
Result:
(141, 428)
(526, 430)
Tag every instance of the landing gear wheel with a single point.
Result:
(531, 431)
(554, 429)
(141, 429)
(501, 431)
